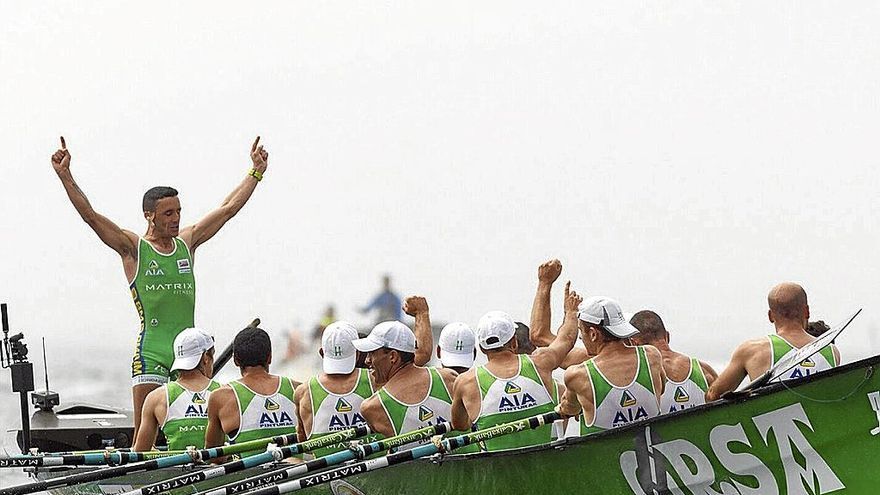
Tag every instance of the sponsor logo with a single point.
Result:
(337, 351)
(153, 270)
(425, 413)
(275, 419)
(512, 388)
(271, 405)
(459, 345)
(183, 266)
(343, 406)
(187, 288)
(808, 363)
(198, 398)
(154, 322)
(196, 411)
(655, 466)
(627, 399)
(191, 428)
(681, 395)
(516, 402)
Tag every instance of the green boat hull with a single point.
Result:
(814, 436)
(810, 437)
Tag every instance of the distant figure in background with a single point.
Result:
(325, 321)
(159, 265)
(817, 328)
(789, 312)
(257, 405)
(387, 303)
(457, 347)
(687, 378)
(179, 407)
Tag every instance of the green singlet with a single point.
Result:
(263, 416)
(332, 413)
(510, 399)
(435, 408)
(187, 415)
(164, 293)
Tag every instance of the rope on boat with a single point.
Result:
(869, 372)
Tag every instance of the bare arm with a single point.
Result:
(658, 372)
(578, 395)
(709, 372)
(215, 435)
(208, 226)
(733, 375)
(550, 357)
(417, 307)
(539, 325)
(374, 414)
(149, 427)
(121, 241)
(461, 419)
(303, 408)
(577, 356)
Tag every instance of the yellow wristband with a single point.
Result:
(256, 174)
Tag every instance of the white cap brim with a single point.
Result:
(454, 360)
(623, 330)
(366, 344)
(341, 366)
(186, 363)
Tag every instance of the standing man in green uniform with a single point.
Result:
(512, 386)
(159, 265)
(179, 408)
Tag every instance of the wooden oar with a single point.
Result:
(446, 445)
(252, 461)
(224, 357)
(151, 465)
(333, 459)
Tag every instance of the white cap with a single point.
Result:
(189, 345)
(339, 354)
(605, 312)
(457, 343)
(495, 329)
(391, 334)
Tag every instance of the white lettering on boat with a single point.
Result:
(696, 472)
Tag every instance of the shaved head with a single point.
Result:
(788, 301)
(650, 326)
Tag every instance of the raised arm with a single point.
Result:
(205, 228)
(417, 307)
(552, 356)
(121, 241)
(539, 327)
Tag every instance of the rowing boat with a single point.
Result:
(812, 436)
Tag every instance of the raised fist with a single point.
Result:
(415, 305)
(61, 158)
(548, 272)
(572, 301)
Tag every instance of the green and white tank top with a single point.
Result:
(187, 415)
(435, 408)
(164, 294)
(264, 416)
(821, 361)
(509, 399)
(691, 392)
(619, 406)
(334, 412)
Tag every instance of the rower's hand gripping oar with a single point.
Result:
(151, 465)
(252, 461)
(359, 452)
(439, 446)
(224, 357)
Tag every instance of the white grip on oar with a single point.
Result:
(874, 399)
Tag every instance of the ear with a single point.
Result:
(269, 361)
(807, 310)
(438, 352)
(770, 316)
(321, 352)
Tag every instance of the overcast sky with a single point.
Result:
(678, 156)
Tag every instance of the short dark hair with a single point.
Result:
(252, 347)
(649, 325)
(817, 328)
(153, 196)
(406, 357)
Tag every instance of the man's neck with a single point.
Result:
(612, 347)
(164, 241)
(193, 380)
(402, 371)
(789, 327)
(254, 372)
